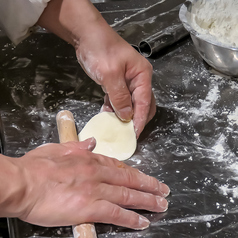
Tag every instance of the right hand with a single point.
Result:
(124, 74)
(67, 184)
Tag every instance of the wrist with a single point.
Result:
(12, 188)
(79, 17)
(70, 19)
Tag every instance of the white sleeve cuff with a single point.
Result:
(17, 17)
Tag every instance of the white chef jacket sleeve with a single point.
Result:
(18, 17)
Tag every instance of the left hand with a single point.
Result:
(67, 184)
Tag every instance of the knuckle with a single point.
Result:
(82, 201)
(125, 193)
(110, 161)
(115, 213)
(88, 188)
(109, 71)
(129, 176)
(101, 160)
(86, 169)
(117, 162)
(152, 182)
(90, 170)
(119, 97)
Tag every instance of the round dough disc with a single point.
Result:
(114, 138)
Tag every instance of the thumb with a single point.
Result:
(120, 99)
(88, 144)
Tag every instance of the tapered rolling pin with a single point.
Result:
(67, 132)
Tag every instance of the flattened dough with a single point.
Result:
(114, 138)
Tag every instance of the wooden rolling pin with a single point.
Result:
(67, 132)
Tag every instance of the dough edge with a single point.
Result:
(106, 127)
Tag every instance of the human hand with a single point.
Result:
(123, 73)
(66, 184)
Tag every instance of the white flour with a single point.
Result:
(217, 19)
(222, 152)
(232, 191)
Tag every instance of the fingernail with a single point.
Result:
(164, 189)
(125, 114)
(163, 204)
(143, 223)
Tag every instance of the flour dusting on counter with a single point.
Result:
(233, 117)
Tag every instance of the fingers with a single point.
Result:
(138, 122)
(113, 214)
(116, 172)
(119, 95)
(142, 99)
(112, 171)
(133, 179)
(143, 114)
(152, 110)
(130, 198)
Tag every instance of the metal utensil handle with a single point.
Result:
(67, 132)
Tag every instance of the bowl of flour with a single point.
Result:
(213, 26)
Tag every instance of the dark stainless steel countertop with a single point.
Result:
(191, 144)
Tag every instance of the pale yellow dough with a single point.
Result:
(114, 138)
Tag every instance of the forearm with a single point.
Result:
(70, 19)
(12, 188)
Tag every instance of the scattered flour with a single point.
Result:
(225, 189)
(233, 117)
(221, 150)
(223, 155)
